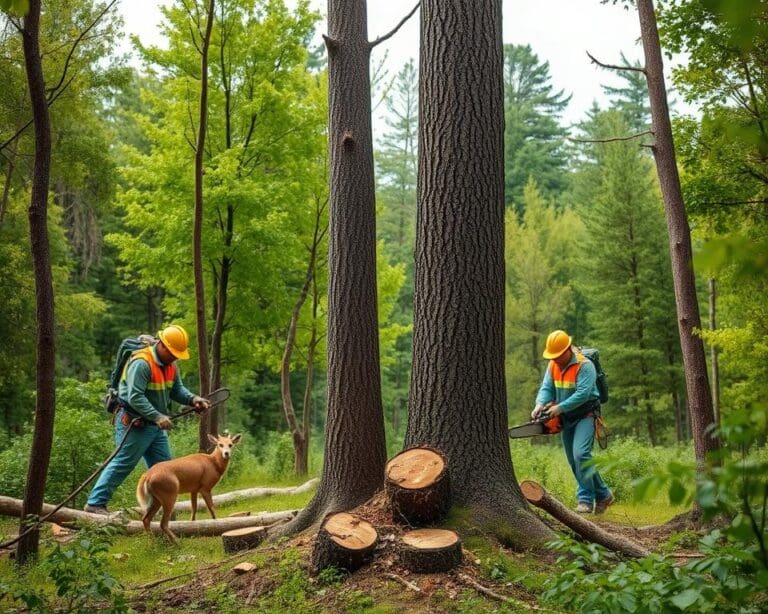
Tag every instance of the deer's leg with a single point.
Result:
(193, 502)
(208, 501)
(150, 514)
(168, 506)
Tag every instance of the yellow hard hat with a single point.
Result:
(175, 338)
(557, 342)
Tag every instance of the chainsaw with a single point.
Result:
(544, 424)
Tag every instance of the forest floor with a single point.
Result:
(492, 578)
(196, 576)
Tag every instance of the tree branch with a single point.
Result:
(50, 90)
(614, 66)
(394, 30)
(612, 139)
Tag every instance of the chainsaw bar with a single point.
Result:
(527, 430)
(218, 396)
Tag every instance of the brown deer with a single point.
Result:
(195, 473)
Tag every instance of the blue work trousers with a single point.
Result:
(578, 439)
(148, 441)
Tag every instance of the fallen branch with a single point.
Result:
(403, 581)
(250, 493)
(155, 583)
(538, 496)
(12, 507)
(493, 595)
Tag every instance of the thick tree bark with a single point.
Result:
(430, 550)
(344, 541)
(417, 484)
(242, 539)
(681, 251)
(203, 366)
(355, 452)
(45, 404)
(458, 399)
(539, 497)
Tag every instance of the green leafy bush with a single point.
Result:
(277, 455)
(82, 440)
(593, 580)
(79, 573)
(731, 576)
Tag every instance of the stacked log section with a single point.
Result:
(243, 539)
(430, 550)
(417, 486)
(344, 541)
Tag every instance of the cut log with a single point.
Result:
(243, 539)
(430, 550)
(250, 493)
(345, 541)
(12, 507)
(417, 486)
(538, 496)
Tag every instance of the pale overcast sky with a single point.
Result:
(559, 31)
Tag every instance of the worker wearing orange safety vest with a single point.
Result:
(150, 381)
(569, 390)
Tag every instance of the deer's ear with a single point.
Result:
(236, 438)
(212, 439)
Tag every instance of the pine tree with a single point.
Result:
(626, 274)
(533, 137)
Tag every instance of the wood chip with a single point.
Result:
(244, 567)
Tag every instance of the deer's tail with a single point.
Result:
(143, 496)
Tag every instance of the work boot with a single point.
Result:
(101, 510)
(584, 508)
(603, 505)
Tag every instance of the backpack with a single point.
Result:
(602, 378)
(127, 347)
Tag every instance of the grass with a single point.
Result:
(137, 560)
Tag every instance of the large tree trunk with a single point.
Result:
(197, 233)
(355, 452)
(45, 404)
(688, 318)
(458, 399)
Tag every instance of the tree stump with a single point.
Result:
(417, 486)
(344, 541)
(243, 539)
(430, 550)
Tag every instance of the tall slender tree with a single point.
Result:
(207, 427)
(45, 404)
(355, 450)
(458, 396)
(681, 250)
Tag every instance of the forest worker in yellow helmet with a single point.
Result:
(569, 390)
(150, 381)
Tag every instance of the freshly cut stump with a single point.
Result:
(243, 539)
(344, 541)
(430, 550)
(417, 486)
